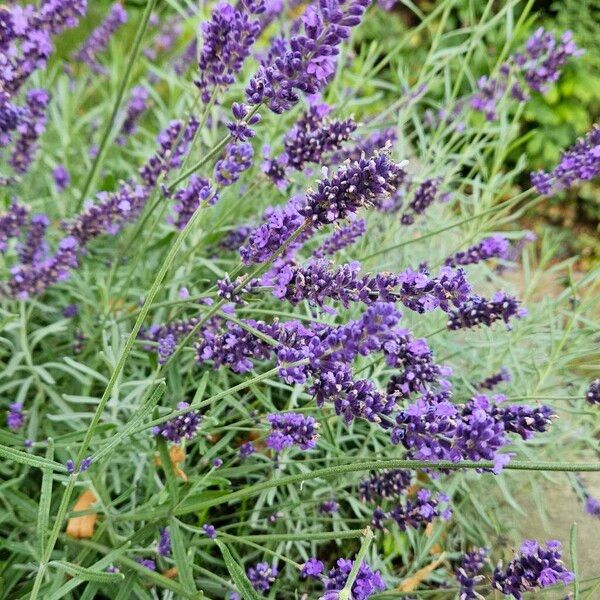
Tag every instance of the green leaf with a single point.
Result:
(29, 459)
(238, 574)
(45, 499)
(184, 567)
(87, 574)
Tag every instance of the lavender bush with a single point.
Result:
(260, 339)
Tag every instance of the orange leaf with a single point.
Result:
(82, 527)
(412, 582)
(177, 456)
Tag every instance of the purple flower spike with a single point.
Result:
(262, 576)
(593, 393)
(228, 37)
(12, 224)
(579, 163)
(100, 37)
(163, 548)
(35, 248)
(182, 427)
(209, 531)
(468, 573)
(312, 568)
(367, 583)
(238, 158)
(138, 103)
(61, 177)
(534, 568)
(188, 199)
(342, 238)
(489, 383)
(291, 429)
(479, 311)
(496, 246)
(15, 419)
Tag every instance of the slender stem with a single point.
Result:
(135, 50)
(345, 594)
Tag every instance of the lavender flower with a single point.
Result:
(181, 427)
(479, 311)
(534, 568)
(15, 419)
(209, 531)
(280, 223)
(188, 199)
(354, 186)
(85, 464)
(35, 247)
(217, 462)
(174, 141)
(490, 90)
(291, 429)
(345, 236)
(385, 485)
(146, 562)
(11, 224)
(416, 512)
(329, 507)
(313, 136)
(70, 311)
(238, 158)
(246, 450)
(312, 568)
(425, 195)
(262, 576)
(468, 573)
(367, 582)
(163, 548)
(138, 103)
(228, 37)
(496, 246)
(489, 383)
(31, 126)
(108, 215)
(593, 393)
(61, 178)
(304, 63)
(592, 506)
(544, 57)
(166, 347)
(366, 146)
(581, 162)
(99, 38)
(28, 280)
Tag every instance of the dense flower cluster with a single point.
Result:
(313, 136)
(479, 311)
(312, 568)
(367, 582)
(238, 158)
(385, 485)
(414, 512)
(188, 199)
(534, 568)
(435, 429)
(163, 548)
(12, 224)
(31, 125)
(495, 246)
(228, 37)
(305, 62)
(581, 162)
(262, 576)
(537, 67)
(593, 393)
(138, 103)
(181, 427)
(34, 247)
(174, 141)
(341, 238)
(15, 418)
(292, 429)
(468, 573)
(424, 196)
(419, 292)
(489, 383)
(100, 37)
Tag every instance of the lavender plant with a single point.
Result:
(227, 376)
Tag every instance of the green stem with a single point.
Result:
(137, 42)
(364, 546)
